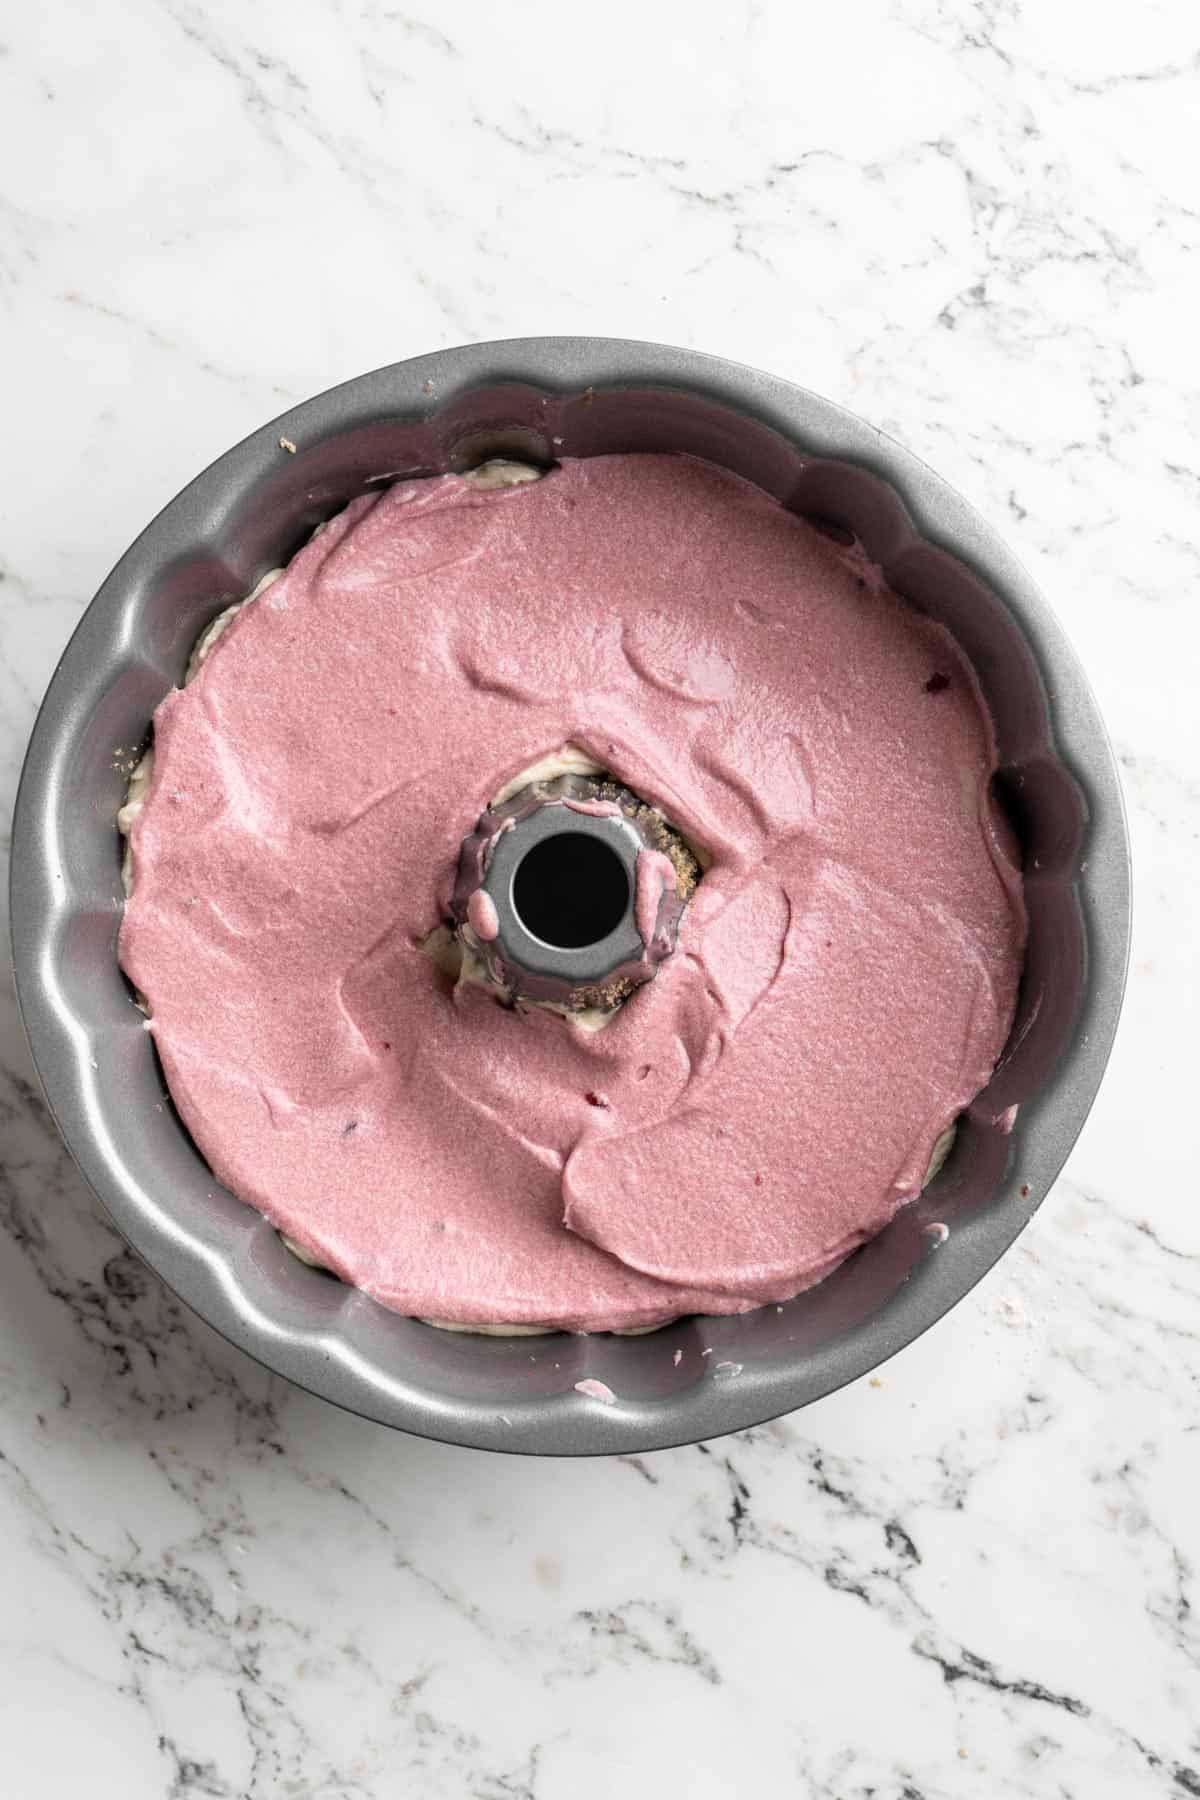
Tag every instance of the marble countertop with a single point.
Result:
(974, 1575)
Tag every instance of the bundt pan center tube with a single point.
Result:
(539, 401)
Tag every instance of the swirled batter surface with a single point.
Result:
(845, 975)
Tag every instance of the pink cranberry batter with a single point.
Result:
(845, 975)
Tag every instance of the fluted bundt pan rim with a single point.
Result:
(543, 398)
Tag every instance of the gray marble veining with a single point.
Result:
(973, 1576)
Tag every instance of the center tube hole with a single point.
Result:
(570, 890)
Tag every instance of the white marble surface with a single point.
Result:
(975, 1576)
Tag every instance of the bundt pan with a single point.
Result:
(540, 399)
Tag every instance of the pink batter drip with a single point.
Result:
(845, 975)
(482, 916)
(596, 809)
(655, 874)
(596, 1390)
